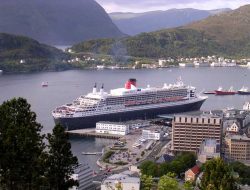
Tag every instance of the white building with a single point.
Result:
(22, 61)
(83, 174)
(162, 62)
(234, 128)
(123, 181)
(114, 128)
(151, 135)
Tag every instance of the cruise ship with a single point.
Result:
(127, 103)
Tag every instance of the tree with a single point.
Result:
(21, 146)
(149, 168)
(60, 162)
(146, 182)
(188, 186)
(243, 171)
(164, 168)
(217, 176)
(167, 182)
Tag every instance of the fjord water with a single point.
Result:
(68, 85)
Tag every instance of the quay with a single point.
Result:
(92, 153)
(91, 133)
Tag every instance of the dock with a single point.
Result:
(92, 153)
(91, 133)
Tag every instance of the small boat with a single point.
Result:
(220, 91)
(45, 84)
(244, 91)
(209, 92)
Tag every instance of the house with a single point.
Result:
(192, 174)
(234, 128)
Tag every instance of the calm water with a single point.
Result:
(66, 86)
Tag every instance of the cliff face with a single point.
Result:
(57, 22)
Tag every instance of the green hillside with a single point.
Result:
(36, 56)
(165, 43)
(224, 34)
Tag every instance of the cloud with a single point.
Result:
(149, 5)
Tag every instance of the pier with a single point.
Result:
(91, 133)
(92, 153)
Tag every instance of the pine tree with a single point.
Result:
(21, 146)
(61, 162)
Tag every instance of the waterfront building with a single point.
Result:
(151, 135)
(237, 148)
(114, 128)
(189, 131)
(84, 175)
(162, 62)
(192, 174)
(209, 149)
(124, 181)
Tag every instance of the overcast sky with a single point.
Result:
(149, 5)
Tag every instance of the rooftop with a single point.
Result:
(195, 169)
(210, 114)
(237, 137)
(124, 123)
(123, 178)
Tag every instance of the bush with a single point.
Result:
(121, 163)
(107, 155)
(142, 153)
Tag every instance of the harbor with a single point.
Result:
(67, 85)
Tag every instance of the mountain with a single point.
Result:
(35, 56)
(56, 22)
(135, 23)
(225, 34)
(230, 29)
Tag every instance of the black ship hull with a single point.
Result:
(244, 92)
(90, 121)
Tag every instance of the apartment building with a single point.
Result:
(189, 130)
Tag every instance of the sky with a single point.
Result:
(150, 5)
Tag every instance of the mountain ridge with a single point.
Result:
(225, 34)
(135, 23)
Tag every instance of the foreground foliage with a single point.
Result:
(217, 176)
(178, 166)
(25, 161)
(167, 182)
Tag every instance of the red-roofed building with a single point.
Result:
(191, 174)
